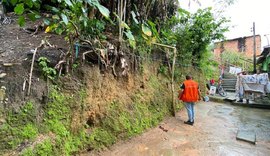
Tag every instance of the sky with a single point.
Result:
(242, 15)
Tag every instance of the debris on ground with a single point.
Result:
(162, 128)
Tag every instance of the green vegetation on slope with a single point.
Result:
(53, 135)
(19, 126)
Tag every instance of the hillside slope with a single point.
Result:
(88, 109)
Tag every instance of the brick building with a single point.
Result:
(242, 45)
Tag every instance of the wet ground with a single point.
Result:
(214, 133)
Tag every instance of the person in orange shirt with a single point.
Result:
(189, 95)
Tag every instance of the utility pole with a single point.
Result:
(254, 49)
(266, 35)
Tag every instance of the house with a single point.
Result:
(242, 45)
(264, 59)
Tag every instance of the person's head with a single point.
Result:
(188, 77)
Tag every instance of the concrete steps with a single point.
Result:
(229, 82)
(229, 90)
(229, 76)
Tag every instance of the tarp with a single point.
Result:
(235, 70)
(254, 83)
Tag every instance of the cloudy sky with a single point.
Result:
(242, 15)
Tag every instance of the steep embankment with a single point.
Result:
(94, 115)
(84, 110)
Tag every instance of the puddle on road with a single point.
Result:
(257, 120)
(223, 112)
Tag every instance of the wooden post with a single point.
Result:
(172, 81)
(31, 72)
(172, 74)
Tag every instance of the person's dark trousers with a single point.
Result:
(208, 86)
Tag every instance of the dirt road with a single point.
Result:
(214, 133)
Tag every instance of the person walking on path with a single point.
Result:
(189, 95)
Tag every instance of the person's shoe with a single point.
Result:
(241, 100)
(188, 123)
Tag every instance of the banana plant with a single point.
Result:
(125, 29)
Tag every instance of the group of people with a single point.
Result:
(190, 92)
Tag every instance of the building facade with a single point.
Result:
(242, 45)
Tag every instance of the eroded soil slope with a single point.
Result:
(16, 49)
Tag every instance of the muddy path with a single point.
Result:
(214, 133)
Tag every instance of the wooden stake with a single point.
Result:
(32, 66)
(31, 72)
(172, 74)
